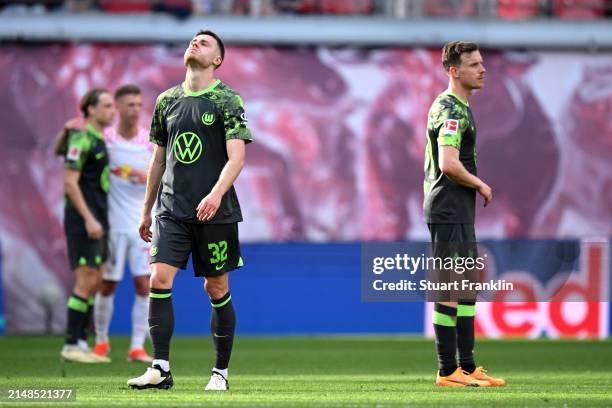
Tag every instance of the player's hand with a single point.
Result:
(486, 193)
(94, 229)
(206, 210)
(77, 123)
(144, 229)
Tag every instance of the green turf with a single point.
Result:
(324, 372)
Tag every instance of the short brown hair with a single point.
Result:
(451, 52)
(91, 98)
(128, 89)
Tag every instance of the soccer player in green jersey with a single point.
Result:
(200, 131)
(86, 183)
(450, 188)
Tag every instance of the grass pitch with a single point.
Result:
(321, 372)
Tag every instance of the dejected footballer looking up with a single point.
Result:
(200, 131)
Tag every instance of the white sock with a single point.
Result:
(222, 372)
(164, 364)
(140, 321)
(103, 312)
(82, 344)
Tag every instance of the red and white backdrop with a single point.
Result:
(339, 149)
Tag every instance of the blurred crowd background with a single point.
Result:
(488, 9)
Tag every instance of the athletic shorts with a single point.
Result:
(214, 248)
(453, 240)
(83, 251)
(454, 244)
(127, 248)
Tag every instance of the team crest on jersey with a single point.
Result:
(208, 118)
(451, 126)
(74, 153)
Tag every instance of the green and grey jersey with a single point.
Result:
(194, 128)
(86, 153)
(450, 123)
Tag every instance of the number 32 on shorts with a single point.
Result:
(218, 252)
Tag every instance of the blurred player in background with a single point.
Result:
(86, 183)
(200, 132)
(450, 188)
(129, 151)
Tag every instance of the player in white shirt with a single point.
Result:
(129, 151)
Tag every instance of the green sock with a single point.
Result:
(77, 312)
(465, 335)
(444, 320)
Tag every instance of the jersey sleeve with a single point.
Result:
(235, 121)
(77, 150)
(159, 133)
(453, 125)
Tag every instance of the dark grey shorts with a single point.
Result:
(456, 242)
(215, 248)
(84, 251)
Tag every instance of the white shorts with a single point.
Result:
(127, 247)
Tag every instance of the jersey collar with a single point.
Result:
(94, 131)
(448, 92)
(200, 92)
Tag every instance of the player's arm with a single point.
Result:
(237, 135)
(157, 167)
(236, 153)
(73, 191)
(452, 167)
(76, 151)
(449, 143)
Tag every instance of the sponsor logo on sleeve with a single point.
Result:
(74, 153)
(451, 126)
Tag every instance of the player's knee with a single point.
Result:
(214, 289)
(88, 280)
(141, 285)
(160, 281)
(108, 288)
(162, 276)
(91, 275)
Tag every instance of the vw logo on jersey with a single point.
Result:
(208, 118)
(187, 147)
